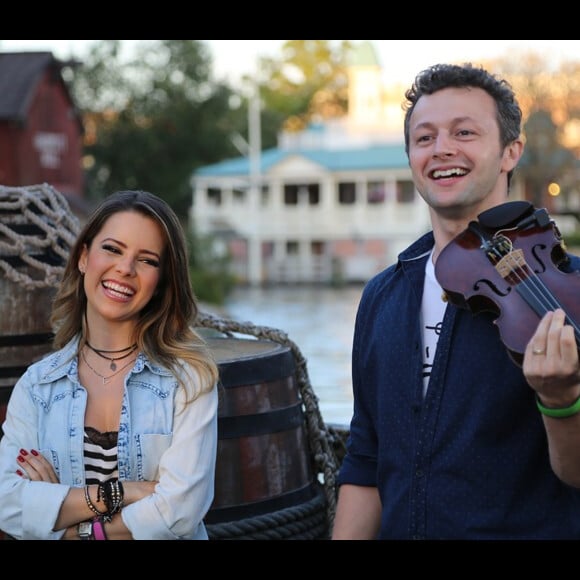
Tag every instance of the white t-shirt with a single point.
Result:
(432, 312)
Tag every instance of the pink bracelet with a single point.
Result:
(99, 529)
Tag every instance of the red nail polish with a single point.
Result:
(23, 452)
(34, 452)
(20, 458)
(18, 472)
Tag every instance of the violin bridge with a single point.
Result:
(511, 262)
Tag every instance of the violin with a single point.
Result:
(508, 263)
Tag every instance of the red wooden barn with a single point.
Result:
(41, 131)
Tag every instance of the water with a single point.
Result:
(320, 321)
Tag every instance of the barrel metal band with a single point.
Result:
(252, 509)
(273, 421)
(26, 339)
(8, 372)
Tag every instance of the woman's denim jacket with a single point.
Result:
(159, 439)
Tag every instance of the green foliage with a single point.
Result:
(308, 82)
(572, 241)
(209, 269)
(154, 119)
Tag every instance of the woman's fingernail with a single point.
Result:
(18, 472)
(23, 452)
(34, 452)
(20, 458)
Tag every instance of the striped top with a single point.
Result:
(100, 453)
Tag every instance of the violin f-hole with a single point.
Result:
(484, 281)
(535, 252)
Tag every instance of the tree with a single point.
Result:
(308, 82)
(550, 101)
(152, 120)
(544, 160)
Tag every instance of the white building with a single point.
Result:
(332, 204)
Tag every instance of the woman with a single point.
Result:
(114, 435)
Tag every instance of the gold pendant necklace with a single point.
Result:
(105, 379)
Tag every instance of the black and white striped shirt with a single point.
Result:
(100, 454)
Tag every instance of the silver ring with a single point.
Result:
(538, 351)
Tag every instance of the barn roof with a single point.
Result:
(20, 73)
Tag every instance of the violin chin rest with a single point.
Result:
(505, 215)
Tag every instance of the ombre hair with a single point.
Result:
(164, 331)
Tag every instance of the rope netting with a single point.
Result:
(37, 229)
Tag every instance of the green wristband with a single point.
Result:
(559, 413)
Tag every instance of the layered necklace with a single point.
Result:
(107, 379)
(128, 350)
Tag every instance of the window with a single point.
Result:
(307, 193)
(376, 192)
(290, 195)
(238, 195)
(292, 248)
(313, 194)
(214, 196)
(346, 193)
(317, 248)
(405, 191)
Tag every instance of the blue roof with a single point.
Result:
(375, 157)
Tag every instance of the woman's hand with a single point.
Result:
(32, 465)
(35, 466)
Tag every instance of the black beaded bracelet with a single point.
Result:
(91, 505)
(113, 495)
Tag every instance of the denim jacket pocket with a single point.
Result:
(151, 447)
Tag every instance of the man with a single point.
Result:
(450, 438)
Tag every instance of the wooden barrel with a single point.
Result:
(263, 464)
(25, 333)
(37, 228)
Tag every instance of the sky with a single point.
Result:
(401, 60)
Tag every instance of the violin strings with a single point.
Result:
(550, 299)
(531, 287)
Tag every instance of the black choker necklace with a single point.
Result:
(102, 353)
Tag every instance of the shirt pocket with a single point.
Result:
(151, 447)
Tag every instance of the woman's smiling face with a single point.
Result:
(122, 266)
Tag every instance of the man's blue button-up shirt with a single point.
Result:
(468, 461)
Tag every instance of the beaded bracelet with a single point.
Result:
(560, 412)
(91, 505)
(113, 494)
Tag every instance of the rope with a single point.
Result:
(324, 442)
(306, 521)
(45, 246)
